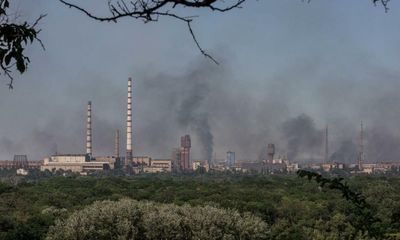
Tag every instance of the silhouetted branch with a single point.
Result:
(384, 3)
(13, 40)
(151, 10)
(363, 209)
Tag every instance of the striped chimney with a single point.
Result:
(128, 157)
(89, 129)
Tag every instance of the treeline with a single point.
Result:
(291, 207)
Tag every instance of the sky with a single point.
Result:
(287, 69)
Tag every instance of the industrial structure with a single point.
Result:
(326, 156)
(270, 152)
(176, 160)
(20, 162)
(230, 159)
(129, 154)
(86, 163)
(89, 130)
(361, 156)
(185, 153)
(272, 160)
(200, 165)
(116, 144)
(80, 163)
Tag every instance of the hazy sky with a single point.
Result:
(337, 62)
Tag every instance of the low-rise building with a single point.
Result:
(196, 164)
(79, 163)
(20, 161)
(141, 160)
(113, 162)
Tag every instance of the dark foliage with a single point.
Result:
(14, 37)
(367, 221)
(293, 208)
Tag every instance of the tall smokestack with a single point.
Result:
(116, 144)
(89, 129)
(128, 157)
(185, 153)
(271, 152)
(326, 159)
(361, 156)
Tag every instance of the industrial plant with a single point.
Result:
(180, 160)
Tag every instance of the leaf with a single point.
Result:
(2, 53)
(8, 57)
(21, 67)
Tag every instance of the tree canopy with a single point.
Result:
(130, 219)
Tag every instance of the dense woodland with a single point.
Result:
(288, 206)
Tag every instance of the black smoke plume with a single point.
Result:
(303, 138)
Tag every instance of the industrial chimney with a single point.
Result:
(271, 152)
(361, 156)
(89, 130)
(116, 144)
(326, 158)
(185, 153)
(128, 157)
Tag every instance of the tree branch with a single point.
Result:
(151, 10)
(14, 38)
(384, 3)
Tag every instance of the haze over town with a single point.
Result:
(287, 69)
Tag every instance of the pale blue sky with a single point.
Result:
(336, 61)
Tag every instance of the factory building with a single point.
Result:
(141, 161)
(20, 162)
(113, 161)
(149, 165)
(197, 164)
(158, 166)
(80, 163)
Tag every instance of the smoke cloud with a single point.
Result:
(222, 112)
(304, 140)
(191, 112)
(346, 153)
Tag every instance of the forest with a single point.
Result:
(40, 206)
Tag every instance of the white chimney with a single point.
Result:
(128, 157)
(89, 129)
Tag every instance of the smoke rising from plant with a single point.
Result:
(302, 136)
(191, 112)
(222, 112)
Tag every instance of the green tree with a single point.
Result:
(361, 214)
(130, 219)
